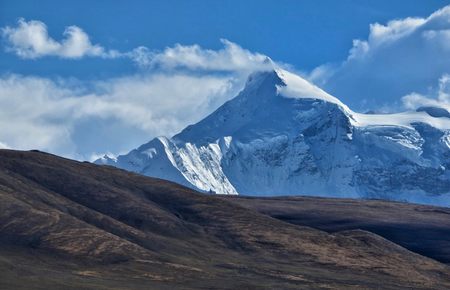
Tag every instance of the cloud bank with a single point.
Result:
(399, 58)
(39, 113)
(176, 86)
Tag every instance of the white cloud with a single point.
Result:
(231, 57)
(178, 86)
(398, 58)
(384, 34)
(4, 146)
(142, 56)
(444, 88)
(440, 97)
(30, 39)
(39, 113)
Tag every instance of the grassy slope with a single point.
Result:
(68, 224)
(419, 228)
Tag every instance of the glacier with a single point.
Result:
(282, 135)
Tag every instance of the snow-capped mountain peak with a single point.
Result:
(282, 135)
(295, 86)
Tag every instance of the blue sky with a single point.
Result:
(121, 87)
(303, 33)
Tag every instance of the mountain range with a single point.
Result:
(282, 135)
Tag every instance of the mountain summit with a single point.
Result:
(282, 135)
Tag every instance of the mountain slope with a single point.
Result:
(71, 225)
(100, 227)
(283, 136)
(422, 229)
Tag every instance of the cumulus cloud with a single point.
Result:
(398, 58)
(30, 39)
